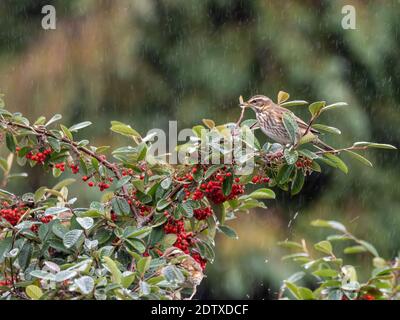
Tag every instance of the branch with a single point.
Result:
(109, 165)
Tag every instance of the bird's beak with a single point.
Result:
(242, 104)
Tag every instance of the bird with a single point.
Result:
(189, 266)
(270, 120)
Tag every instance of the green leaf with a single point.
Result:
(33, 292)
(354, 249)
(325, 128)
(212, 169)
(199, 130)
(85, 222)
(369, 247)
(120, 206)
(66, 132)
(39, 194)
(297, 183)
(54, 143)
(133, 232)
(123, 181)
(316, 107)
(121, 128)
(24, 257)
(10, 142)
(166, 183)
(55, 211)
(227, 185)
(326, 273)
(290, 245)
(79, 126)
(360, 158)
(291, 126)
(116, 275)
(329, 224)
(262, 193)
(338, 162)
(334, 105)
(324, 246)
(5, 247)
(162, 204)
(284, 173)
(228, 231)
(248, 123)
(128, 278)
(374, 145)
(55, 118)
(305, 294)
(85, 284)
(291, 156)
(308, 154)
(294, 103)
(293, 289)
(72, 237)
(143, 265)
(186, 209)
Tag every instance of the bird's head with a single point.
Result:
(258, 103)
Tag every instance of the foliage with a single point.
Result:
(151, 233)
(332, 278)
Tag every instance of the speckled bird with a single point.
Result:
(270, 120)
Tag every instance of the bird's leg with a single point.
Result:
(255, 126)
(193, 293)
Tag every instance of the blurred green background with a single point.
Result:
(146, 62)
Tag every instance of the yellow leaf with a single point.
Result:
(33, 292)
(209, 123)
(282, 97)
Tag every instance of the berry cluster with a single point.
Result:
(202, 262)
(304, 163)
(259, 179)
(213, 190)
(39, 157)
(74, 168)
(60, 166)
(184, 239)
(103, 186)
(5, 283)
(202, 213)
(12, 215)
(44, 219)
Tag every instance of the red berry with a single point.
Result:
(91, 184)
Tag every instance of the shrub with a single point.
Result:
(151, 234)
(332, 279)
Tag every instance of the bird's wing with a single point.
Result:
(300, 122)
(304, 126)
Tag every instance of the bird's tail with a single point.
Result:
(322, 145)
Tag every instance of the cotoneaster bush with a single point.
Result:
(332, 278)
(151, 234)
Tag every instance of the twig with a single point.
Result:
(340, 150)
(111, 166)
